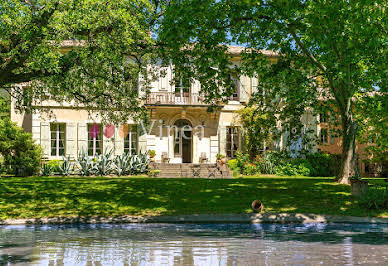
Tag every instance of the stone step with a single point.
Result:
(187, 170)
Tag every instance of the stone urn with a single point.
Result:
(359, 187)
(257, 206)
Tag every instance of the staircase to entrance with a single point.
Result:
(191, 170)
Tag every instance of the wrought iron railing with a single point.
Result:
(171, 98)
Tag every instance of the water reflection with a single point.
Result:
(178, 244)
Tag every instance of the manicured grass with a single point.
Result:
(37, 197)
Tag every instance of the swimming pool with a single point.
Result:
(195, 244)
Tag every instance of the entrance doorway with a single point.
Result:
(183, 140)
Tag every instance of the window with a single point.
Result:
(236, 84)
(130, 140)
(232, 141)
(182, 84)
(94, 139)
(57, 134)
(324, 136)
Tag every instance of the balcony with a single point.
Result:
(171, 98)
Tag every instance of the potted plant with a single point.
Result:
(152, 154)
(358, 186)
(221, 159)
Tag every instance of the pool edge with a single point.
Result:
(203, 218)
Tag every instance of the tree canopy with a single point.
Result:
(330, 53)
(89, 53)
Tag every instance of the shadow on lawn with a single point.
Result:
(73, 196)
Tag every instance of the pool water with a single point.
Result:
(195, 244)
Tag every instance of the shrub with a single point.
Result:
(46, 170)
(322, 164)
(233, 164)
(376, 198)
(138, 164)
(292, 169)
(153, 173)
(55, 165)
(22, 157)
(85, 164)
(251, 169)
(122, 164)
(104, 164)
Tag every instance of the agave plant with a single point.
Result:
(85, 164)
(65, 167)
(104, 164)
(122, 164)
(46, 170)
(139, 163)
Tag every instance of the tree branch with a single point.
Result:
(305, 51)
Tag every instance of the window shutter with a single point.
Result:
(45, 138)
(222, 139)
(254, 83)
(82, 138)
(243, 89)
(70, 142)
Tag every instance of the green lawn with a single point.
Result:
(37, 197)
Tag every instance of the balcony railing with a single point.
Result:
(171, 98)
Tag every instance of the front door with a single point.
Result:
(183, 141)
(186, 147)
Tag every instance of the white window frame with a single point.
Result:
(94, 148)
(58, 139)
(231, 137)
(131, 132)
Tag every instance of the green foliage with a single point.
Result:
(292, 169)
(259, 127)
(281, 163)
(5, 106)
(321, 164)
(47, 170)
(55, 165)
(138, 164)
(104, 164)
(153, 173)
(372, 115)
(233, 164)
(220, 156)
(152, 153)
(22, 157)
(102, 65)
(65, 167)
(376, 198)
(294, 48)
(251, 169)
(122, 164)
(85, 164)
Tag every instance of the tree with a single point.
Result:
(89, 53)
(328, 54)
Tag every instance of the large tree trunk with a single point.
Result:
(349, 165)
